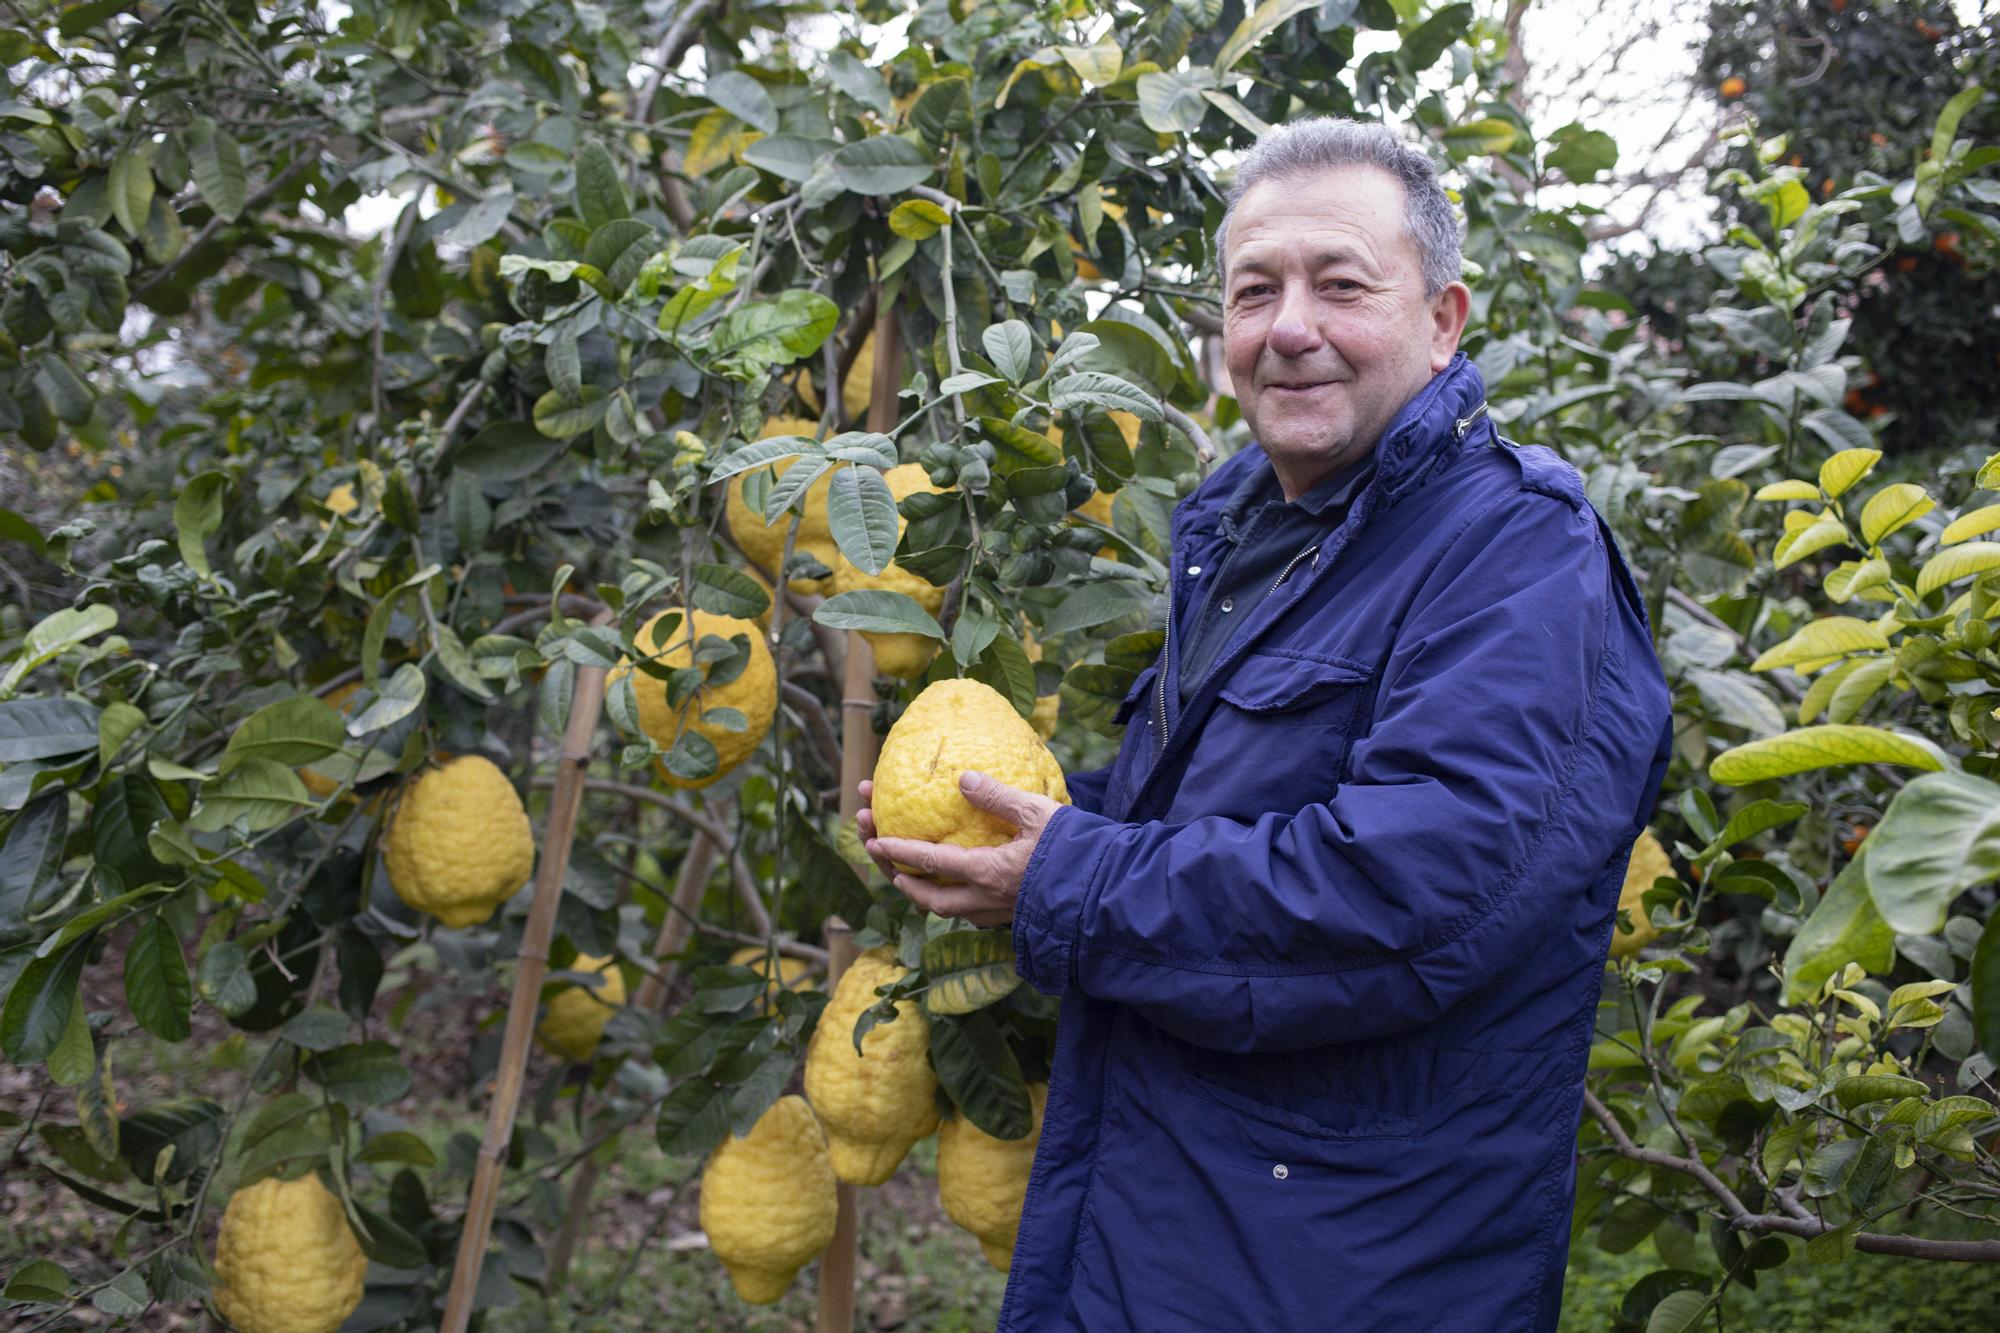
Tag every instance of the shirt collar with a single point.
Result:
(1260, 487)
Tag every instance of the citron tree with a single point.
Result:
(604, 415)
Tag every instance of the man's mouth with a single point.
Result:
(1303, 387)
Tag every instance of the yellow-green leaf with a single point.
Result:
(1845, 468)
(1892, 507)
(1852, 578)
(1857, 689)
(1957, 563)
(1040, 60)
(918, 219)
(1486, 136)
(1822, 689)
(1835, 636)
(1970, 525)
(1789, 489)
(1809, 539)
(1098, 64)
(1822, 747)
(715, 140)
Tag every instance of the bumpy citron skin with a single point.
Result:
(752, 692)
(900, 655)
(983, 1180)
(765, 543)
(285, 1260)
(794, 974)
(877, 1104)
(576, 1015)
(769, 1200)
(956, 726)
(460, 844)
(1649, 862)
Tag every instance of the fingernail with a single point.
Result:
(969, 781)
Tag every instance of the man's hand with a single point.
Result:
(989, 877)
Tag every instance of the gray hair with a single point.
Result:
(1325, 143)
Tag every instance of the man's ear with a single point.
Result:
(1448, 312)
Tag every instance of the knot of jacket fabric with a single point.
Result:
(1329, 932)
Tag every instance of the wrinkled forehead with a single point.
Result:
(1356, 206)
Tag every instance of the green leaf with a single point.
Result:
(1948, 119)
(114, 728)
(316, 1029)
(1985, 978)
(744, 98)
(506, 451)
(258, 794)
(1092, 693)
(368, 1074)
(295, 731)
(861, 511)
(128, 808)
(1832, 636)
(1810, 748)
(74, 1058)
(1017, 447)
(223, 979)
(39, 1282)
(693, 1118)
(31, 856)
(878, 611)
(124, 1296)
(560, 417)
(1012, 348)
(968, 970)
(777, 332)
(1581, 154)
(881, 164)
(977, 1070)
(397, 1145)
(600, 194)
(39, 1004)
(1096, 389)
(1845, 468)
(1939, 837)
(791, 157)
(1845, 928)
(1862, 1089)
(724, 591)
(1093, 604)
(395, 699)
(1680, 1312)
(157, 987)
(1258, 24)
(1955, 563)
(1892, 507)
(192, 1127)
(918, 219)
(54, 635)
(1172, 103)
(217, 164)
(45, 729)
(69, 397)
(197, 514)
(1746, 823)
(131, 185)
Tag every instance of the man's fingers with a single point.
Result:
(1023, 809)
(932, 858)
(954, 900)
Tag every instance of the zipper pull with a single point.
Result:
(1464, 423)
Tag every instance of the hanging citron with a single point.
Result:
(794, 974)
(769, 1200)
(286, 1260)
(460, 844)
(752, 691)
(983, 1180)
(765, 542)
(953, 727)
(900, 655)
(1649, 862)
(854, 392)
(877, 1103)
(576, 1016)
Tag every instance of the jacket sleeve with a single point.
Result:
(1086, 790)
(1475, 810)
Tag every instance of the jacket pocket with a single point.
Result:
(1280, 731)
(1278, 690)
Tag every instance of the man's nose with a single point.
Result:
(1293, 331)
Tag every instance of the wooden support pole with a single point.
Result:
(678, 924)
(837, 1265)
(532, 965)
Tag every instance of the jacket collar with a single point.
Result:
(1421, 437)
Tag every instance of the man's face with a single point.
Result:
(1326, 328)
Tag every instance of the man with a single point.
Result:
(1329, 932)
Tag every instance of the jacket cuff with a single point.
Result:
(1054, 889)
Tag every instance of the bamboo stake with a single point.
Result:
(837, 1265)
(674, 930)
(585, 706)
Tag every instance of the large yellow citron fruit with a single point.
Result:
(576, 1016)
(753, 692)
(765, 542)
(768, 1200)
(460, 844)
(794, 974)
(322, 787)
(983, 1180)
(854, 394)
(900, 655)
(1649, 862)
(874, 1105)
(952, 727)
(285, 1260)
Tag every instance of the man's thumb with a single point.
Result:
(996, 797)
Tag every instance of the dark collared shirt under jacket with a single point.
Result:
(1262, 536)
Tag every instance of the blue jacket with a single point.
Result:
(1329, 938)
